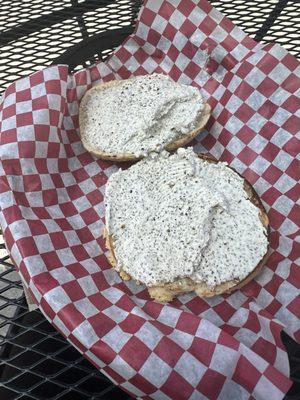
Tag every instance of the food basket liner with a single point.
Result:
(52, 210)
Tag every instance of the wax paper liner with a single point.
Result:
(227, 347)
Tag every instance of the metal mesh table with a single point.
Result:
(35, 361)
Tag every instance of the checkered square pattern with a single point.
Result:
(52, 212)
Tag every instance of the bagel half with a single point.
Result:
(166, 292)
(84, 124)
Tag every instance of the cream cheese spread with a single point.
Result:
(149, 112)
(176, 216)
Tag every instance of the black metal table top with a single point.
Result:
(34, 33)
(35, 361)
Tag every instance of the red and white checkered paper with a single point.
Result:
(52, 209)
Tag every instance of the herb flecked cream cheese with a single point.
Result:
(176, 216)
(140, 115)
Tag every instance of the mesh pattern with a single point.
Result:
(34, 358)
(33, 42)
(23, 11)
(34, 33)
